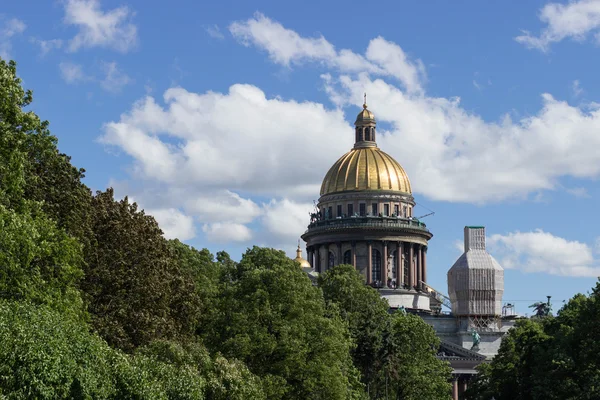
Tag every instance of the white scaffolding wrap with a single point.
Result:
(476, 280)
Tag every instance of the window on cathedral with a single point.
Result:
(404, 212)
(329, 212)
(339, 211)
(396, 210)
(386, 210)
(348, 257)
(350, 210)
(374, 210)
(363, 209)
(376, 267)
(331, 260)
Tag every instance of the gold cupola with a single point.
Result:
(365, 167)
(303, 263)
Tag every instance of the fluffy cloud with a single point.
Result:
(287, 47)
(174, 223)
(540, 251)
(8, 29)
(226, 232)
(573, 20)
(97, 28)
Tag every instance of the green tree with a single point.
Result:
(549, 358)
(31, 167)
(396, 354)
(136, 291)
(38, 261)
(273, 319)
(410, 367)
(365, 312)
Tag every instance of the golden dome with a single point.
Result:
(365, 168)
(303, 263)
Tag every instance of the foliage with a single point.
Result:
(538, 353)
(39, 262)
(273, 319)
(31, 167)
(366, 314)
(411, 369)
(137, 292)
(395, 353)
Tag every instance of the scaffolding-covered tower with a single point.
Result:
(476, 284)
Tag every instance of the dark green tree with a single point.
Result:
(137, 292)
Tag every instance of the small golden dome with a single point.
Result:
(303, 263)
(365, 116)
(365, 168)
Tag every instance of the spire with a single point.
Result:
(365, 102)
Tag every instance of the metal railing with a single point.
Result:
(367, 222)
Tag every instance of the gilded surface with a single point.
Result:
(365, 169)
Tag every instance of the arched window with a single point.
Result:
(376, 266)
(331, 261)
(348, 257)
(367, 136)
(373, 134)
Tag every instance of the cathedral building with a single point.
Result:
(364, 217)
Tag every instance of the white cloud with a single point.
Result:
(540, 251)
(226, 232)
(97, 28)
(174, 223)
(286, 219)
(114, 79)
(573, 20)
(214, 32)
(287, 47)
(8, 29)
(47, 46)
(72, 73)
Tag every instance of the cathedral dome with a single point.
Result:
(365, 168)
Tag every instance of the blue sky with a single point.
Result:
(222, 118)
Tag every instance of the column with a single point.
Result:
(318, 258)
(369, 262)
(454, 388)
(384, 265)
(398, 266)
(419, 265)
(425, 265)
(354, 254)
(411, 265)
(463, 385)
